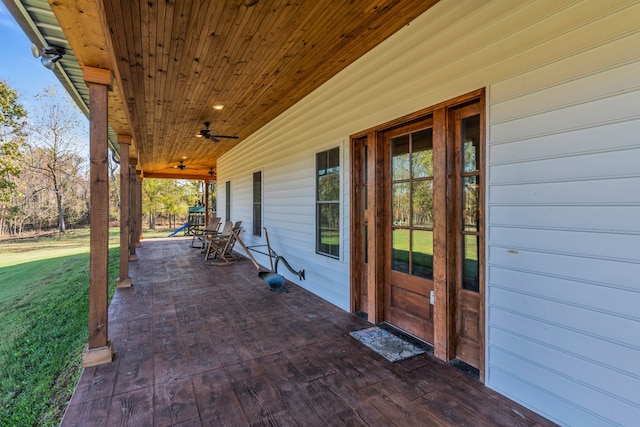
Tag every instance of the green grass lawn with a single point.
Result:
(44, 312)
(44, 283)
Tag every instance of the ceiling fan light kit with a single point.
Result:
(211, 134)
(180, 166)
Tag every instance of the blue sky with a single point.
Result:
(22, 72)
(18, 67)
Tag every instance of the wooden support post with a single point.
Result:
(125, 221)
(99, 350)
(139, 208)
(133, 186)
(206, 204)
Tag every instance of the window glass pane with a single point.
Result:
(329, 242)
(329, 186)
(470, 130)
(333, 159)
(422, 197)
(400, 203)
(257, 219)
(365, 243)
(470, 266)
(227, 201)
(365, 161)
(257, 203)
(257, 186)
(365, 176)
(321, 163)
(422, 254)
(329, 231)
(329, 215)
(470, 204)
(400, 158)
(422, 153)
(400, 250)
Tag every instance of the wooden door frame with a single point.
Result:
(444, 309)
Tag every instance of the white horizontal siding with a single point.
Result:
(587, 269)
(585, 407)
(614, 219)
(563, 219)
(619, 358)
(600, 389)
(504, 382)
(288, 172)
(593, 192)
(563, 181)
(615, 247)
(594, 138)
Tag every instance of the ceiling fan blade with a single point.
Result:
(212, 135)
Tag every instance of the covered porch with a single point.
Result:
(211, 345)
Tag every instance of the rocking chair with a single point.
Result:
(212, 227)
(221, 245)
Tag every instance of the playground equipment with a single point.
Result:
(186, 225)
(195, 220)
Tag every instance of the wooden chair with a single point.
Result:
(222, 245)
(209, 237)
(212, 227)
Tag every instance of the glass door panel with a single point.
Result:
(411, 187)
(411, 221)
(422, 254)
(469, 131)
(400, 250)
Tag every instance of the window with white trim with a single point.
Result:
(328, 202)
(257, 203)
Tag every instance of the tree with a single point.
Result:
(12, 118)
(114, 187)
(152, 193)
(167, 196)
(55, 146)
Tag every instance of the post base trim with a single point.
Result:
(97, 356)
(123, 283)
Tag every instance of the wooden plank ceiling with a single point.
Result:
(174, 60)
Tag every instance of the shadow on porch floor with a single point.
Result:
(200, 345)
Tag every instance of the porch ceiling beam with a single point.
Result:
(168, 175)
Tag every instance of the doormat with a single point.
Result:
(387, 345)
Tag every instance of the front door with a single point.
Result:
(418, 226)
(410, 228)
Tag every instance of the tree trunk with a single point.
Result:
(61, 226)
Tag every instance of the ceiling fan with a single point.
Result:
(181, 166)
(212, 134)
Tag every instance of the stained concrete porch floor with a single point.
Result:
(202, 345)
